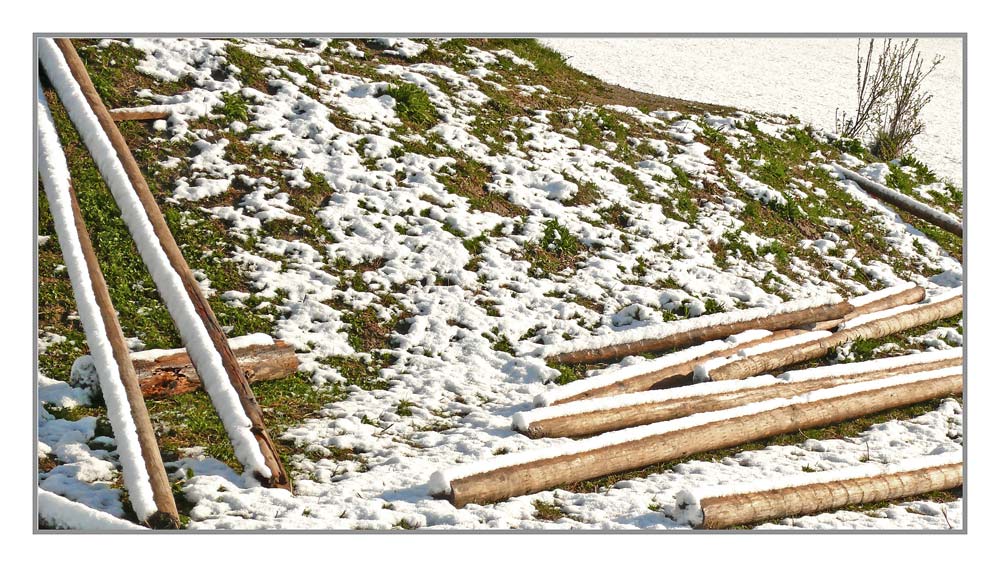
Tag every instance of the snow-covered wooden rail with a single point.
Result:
(870, 326)
(674, 334)
(901, 201)
(723, 506)
(530, 471)
(59, 512)
(142, 465)
(200, 331)
(593, 416)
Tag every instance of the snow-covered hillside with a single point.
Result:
(418, 217)
(807, 77)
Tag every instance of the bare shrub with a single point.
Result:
(890, 97)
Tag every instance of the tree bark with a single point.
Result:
(279, 478)
(737, 509)
(704, 334)
(166, 509)
(534, 476)
(594, 421)
(765, 362)
(901, 201)
(173, 374)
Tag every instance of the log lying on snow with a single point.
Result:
(164, 373)
(901, 201)
(871, 326)
(723, 506)
(670, 370)
(674, 334)
(594, 416)
(881, 300)
(515, 474)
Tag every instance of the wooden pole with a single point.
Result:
(279, 478)
(641, 410)
(737, 509)
(166, 514)
(671, 376)
(173, 374)
(704, 334)
(901, 201)
(533, 476)
(765, 362)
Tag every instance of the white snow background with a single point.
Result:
(807, 77)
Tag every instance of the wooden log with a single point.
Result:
(669, 377)
(901, 201)
(166, 515)
(583, 418)
(173, 374)
(906, 296)
(914, 316)
(860, 485)
(278, 477)
(642, 446)
(705, 333)
(126, 114)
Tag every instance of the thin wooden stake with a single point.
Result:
(279, 478)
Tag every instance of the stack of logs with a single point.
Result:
(659, 413)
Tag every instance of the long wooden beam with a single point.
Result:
(859, 485)
(579, 419)
(278, 478)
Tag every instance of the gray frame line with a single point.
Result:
(964, 36)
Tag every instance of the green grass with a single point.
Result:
(413, 105)
(547, 512)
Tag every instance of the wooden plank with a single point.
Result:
(279, 478)
(126, 114)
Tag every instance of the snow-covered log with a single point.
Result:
(901, 201)
(590, 417)
(199, 329)
(170, 372)
(526, 472)
(870, 326)
(667, 371)
(142, 465)
(674, 334)
(62, 513)
(808, 493)
(881, 300)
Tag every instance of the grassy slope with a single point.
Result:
(188, 420)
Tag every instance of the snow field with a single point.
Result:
(55, 178)
(168, 282)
